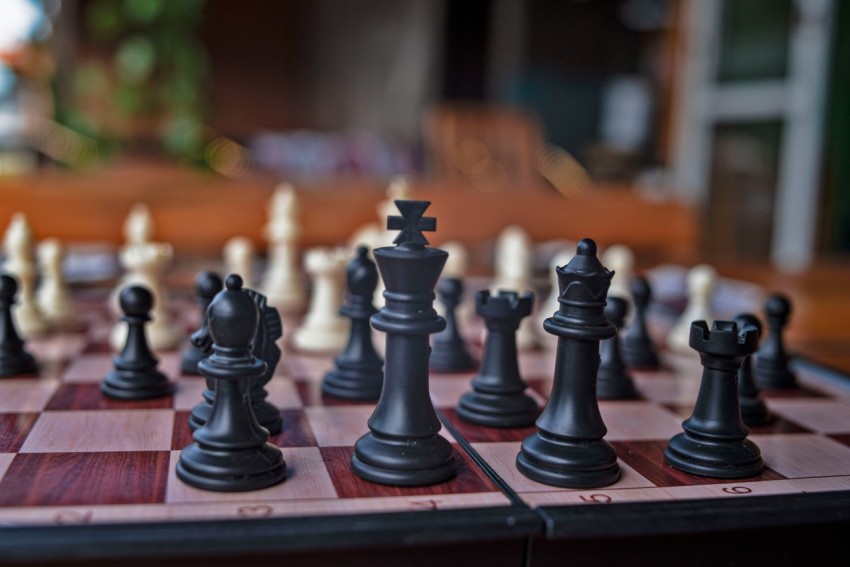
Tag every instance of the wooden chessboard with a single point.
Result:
(85, 477)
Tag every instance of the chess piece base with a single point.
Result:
(130, 385)
(421, 462)
(351, 384)
(231, 471)
(713, 458)
(496, 410)
(568, 464)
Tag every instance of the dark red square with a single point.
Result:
(14, 428)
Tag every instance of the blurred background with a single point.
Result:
(733, 115)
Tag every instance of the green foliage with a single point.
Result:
(154, 78)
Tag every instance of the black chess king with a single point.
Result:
(568, 449)
(403, 446)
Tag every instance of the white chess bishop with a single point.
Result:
(702, 280)
(283, 284)
(146, 264)
(53, 296)
(513, 265)
(20, 263)
(324, 330)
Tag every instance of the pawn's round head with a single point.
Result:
(233, 316)
(641, 290)
(8, 287)
(744, 320)
(586, 247)
(616, 310)
(778, 306)
(362, 275)
(136, 301)
(208, 284)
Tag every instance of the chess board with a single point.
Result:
(84, 477)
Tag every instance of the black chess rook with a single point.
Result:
(498, 397)
(231, 452)
(358, 372)
(135, 375)
(403, 446)
(568, 449)
(714, 442)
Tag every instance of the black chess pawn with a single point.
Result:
(269, 330)
(498, 397)
(637, 347)
(613, 379)
(714, 442)
(403, 446)
(14, 358)
(448, 348)
(207, 285)
(231, 452)
(135, 376)
(771, 369)
(753, 409)
(568, 449)
(359, 370)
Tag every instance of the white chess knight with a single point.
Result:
(20, 263)
(238, 253)
(146, 264)
(702, 280)
(53, 296)
(283, 284)
(324, 330)
(550, 305)
(513, 268)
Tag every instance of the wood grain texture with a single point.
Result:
(56, 479)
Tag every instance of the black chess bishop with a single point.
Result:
(231, 452)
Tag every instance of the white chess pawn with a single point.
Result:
(146, 264)
(138, 226)
(53, 296)
(239, 259)
(18, 245)
(513, 266)
(324, 330)
(550, 305)
(283, 284)
(702, 280)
